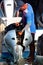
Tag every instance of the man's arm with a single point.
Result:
(17, 13)
(26, 27)
(39, 22)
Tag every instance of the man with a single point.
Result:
(29, 15)
(39, 15)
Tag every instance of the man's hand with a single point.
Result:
(17, 24)
(20, 33)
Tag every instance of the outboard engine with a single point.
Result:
(11, 42)
(8, 8)
(15, 43)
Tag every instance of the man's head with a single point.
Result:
(23, 7)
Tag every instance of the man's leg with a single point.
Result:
(32, 50)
